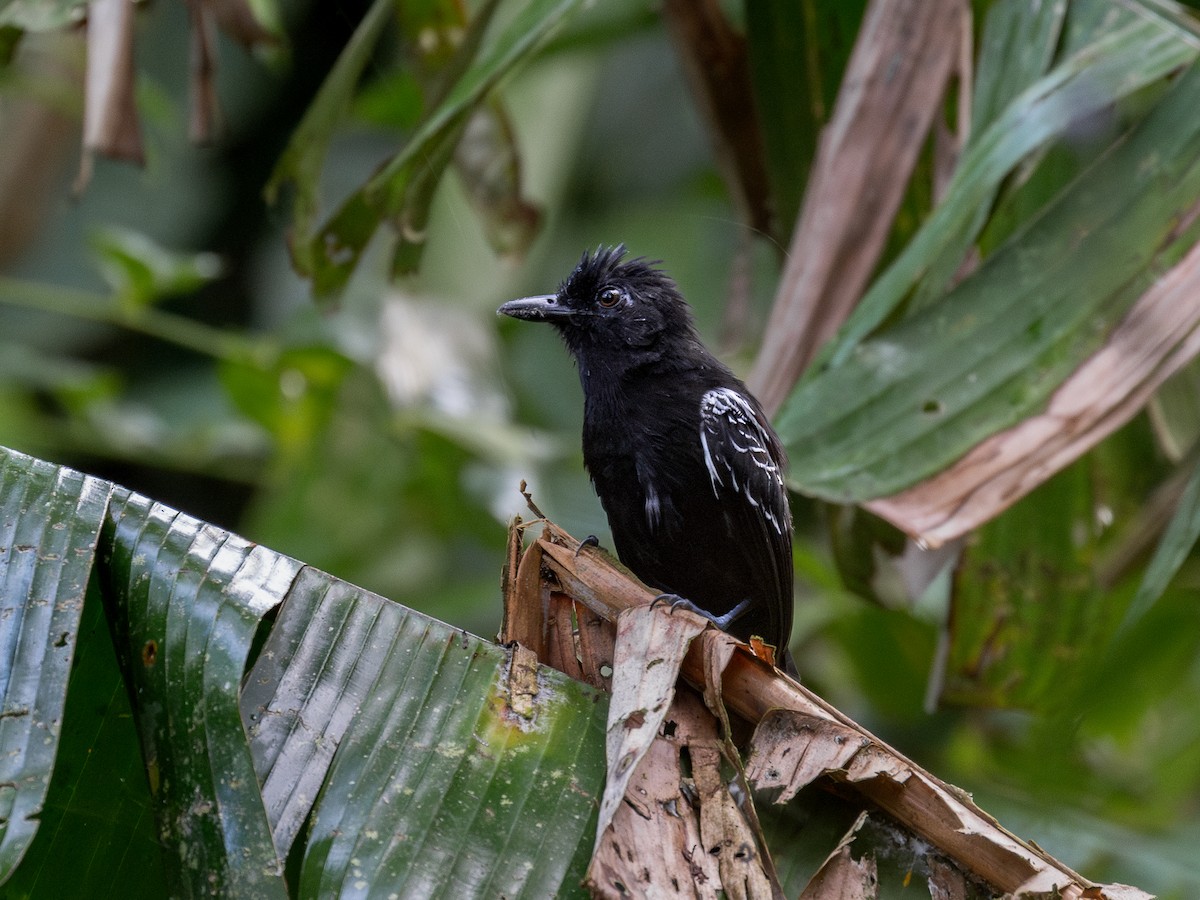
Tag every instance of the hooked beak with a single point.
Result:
(542, 308)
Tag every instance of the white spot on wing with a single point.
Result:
(653, 507)
(734, 442)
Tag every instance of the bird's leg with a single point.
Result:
(723, 621)
(590, 541)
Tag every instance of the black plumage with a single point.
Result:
(683, 458)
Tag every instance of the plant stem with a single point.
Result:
(204, 339)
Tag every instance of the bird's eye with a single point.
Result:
(610, 297)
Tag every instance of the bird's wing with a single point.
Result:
(745, 464)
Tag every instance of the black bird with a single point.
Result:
(683, 458)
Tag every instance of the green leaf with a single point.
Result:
(392, 732)
(1176, 543)
(1113, 66)
(300, 164)
(141, 271)
(42, 15)
(1026, 607)
(906, 403)
(333, 253)
(99, 814)
(185, 600)
(49, 524)
(431, 782)
(1017, 47)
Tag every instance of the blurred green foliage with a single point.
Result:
(153, 331)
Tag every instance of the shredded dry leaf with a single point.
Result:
(651, 643)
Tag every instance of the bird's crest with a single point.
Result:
(605, 265)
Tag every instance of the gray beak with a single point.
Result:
(542, 308)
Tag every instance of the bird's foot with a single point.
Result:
(590, 541)
(722, 621)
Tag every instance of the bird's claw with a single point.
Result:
(675, 600)
(723, 621)
(590, 541)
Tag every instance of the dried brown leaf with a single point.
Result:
(110, 121)
(205, 110)
(946, 882)
(1160, 335)
(522, 681)
(654, 847)
(488, 163)
(597, 640)
(525, 596)
(651, 643)
(790, 750)
(726, 833)
(237, 19)
(889, 95)
(841, 877)
(916, 799)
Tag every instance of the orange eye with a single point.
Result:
(610, 297)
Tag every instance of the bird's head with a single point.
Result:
(607, 306)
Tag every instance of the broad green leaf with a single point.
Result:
(1032, 607)
(908, 402)
(185, 600)
(393, 724)
(1113, 66)
(98, 815)
(1026, 607)
(433, 785)
(50, 520)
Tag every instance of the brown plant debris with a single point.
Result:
(841, 877)
(662, 823)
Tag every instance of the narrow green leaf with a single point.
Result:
(1017, 46)
(301, 162)
(1016, 49)
(50, 521)
(1176, 543)
(918, 396)
(336, 249)
(186, 600)
(42, 15)
(142, 271)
